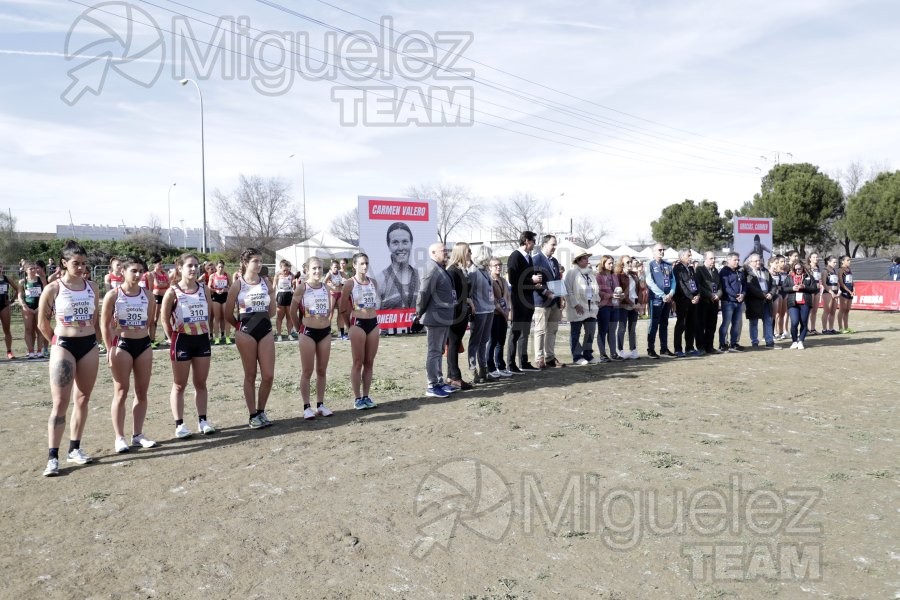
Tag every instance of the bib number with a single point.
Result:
(78, 313)
(34, 292)
(193, 312)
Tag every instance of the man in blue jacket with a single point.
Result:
(661, 282)
(734, 289)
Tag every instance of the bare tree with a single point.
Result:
(259, 211)
(10, 243)
(587, 231)
(346, 227)
(155, 225)
(520, 212)
(456, 206)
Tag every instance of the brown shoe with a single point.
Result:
(540, 364)
(555, 364)
(461, 384)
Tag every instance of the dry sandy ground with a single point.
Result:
(762, 475)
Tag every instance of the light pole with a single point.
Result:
(303, 189)
(202, 157)
(169, 202)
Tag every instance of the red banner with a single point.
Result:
(394, 210)
(876, 295)
(401, 318)
(755, 226)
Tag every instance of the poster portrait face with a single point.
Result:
(399, 242)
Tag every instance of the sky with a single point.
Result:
(607, 109)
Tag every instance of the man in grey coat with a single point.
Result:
(434, 307)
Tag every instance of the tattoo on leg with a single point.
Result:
(62, 373)
(58, 421)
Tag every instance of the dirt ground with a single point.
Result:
(757, 475)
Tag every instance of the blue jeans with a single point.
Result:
(732, 313)
(607, 321)
(768, 327)
(799, 318)
(479, 336)
(659, 321)
(496, 343)
(582, 349)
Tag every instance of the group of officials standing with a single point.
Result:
(607, 302)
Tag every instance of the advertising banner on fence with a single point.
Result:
(876, 295)
(395, 233)
(753, 235)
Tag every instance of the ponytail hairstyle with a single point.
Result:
(179, 262)
(357, 256)
(127, 261)
(70, 250)
(246, 255)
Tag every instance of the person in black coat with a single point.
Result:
(460, 258)
(799, 287)
(710, 286)
(687, 300)
(761, 292)
(523, 281)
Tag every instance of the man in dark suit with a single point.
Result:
(435, 310)
(687, 299)
(523, 281)
(710, 286)
(761, 293)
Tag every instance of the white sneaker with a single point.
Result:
(495, 374)
(182, 431)
(204, 427)
(581, 362)
(309, 414)
(122, 445)
(800, 346)
(323, 411)
(140, 440)
(794, 346)
(505, 373)
(52, 469)
(79, 457)
(634, 354)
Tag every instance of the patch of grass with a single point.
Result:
(625, 423)
(645, 415)
(879, 474)
(710, 442)
(542, 576)
(97, 496)
(385, 384)
(739, 459)
(837, 476)
(574, 534)
(486, 406)
(557, 434)
(643, 431)
(862, 436)
(663, 460)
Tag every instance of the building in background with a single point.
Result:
(190, 238)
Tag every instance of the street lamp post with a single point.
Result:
(169, 202)
(303, 189)
(202, 157)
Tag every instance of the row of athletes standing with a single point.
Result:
(70, 314)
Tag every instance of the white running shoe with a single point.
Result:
(794, 346)
(78, 457)
(309, 414)
(205, 427)
(800, 346)
(495, 374)
(122, 445)
(582, 362)
(140, 440)
(634, 354)
(323, 411)
(506, 373)
(182, 431)
(52, 469)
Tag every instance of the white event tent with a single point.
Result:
(324, 245)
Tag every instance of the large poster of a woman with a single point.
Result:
(395, 233)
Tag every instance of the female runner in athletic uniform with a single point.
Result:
(845, 281)
(157, 281)
(124, 323)
(220, 281)
(255, 301)
(334, 281)
(284, 285)
(114, 278)
(30, 289)
(359, 304)
(185, 319)
(310, 312)
(8, 288)
(813, 269)
(831, 291)
(74, 357)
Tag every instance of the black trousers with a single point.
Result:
(685, 323)
(705, 331)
